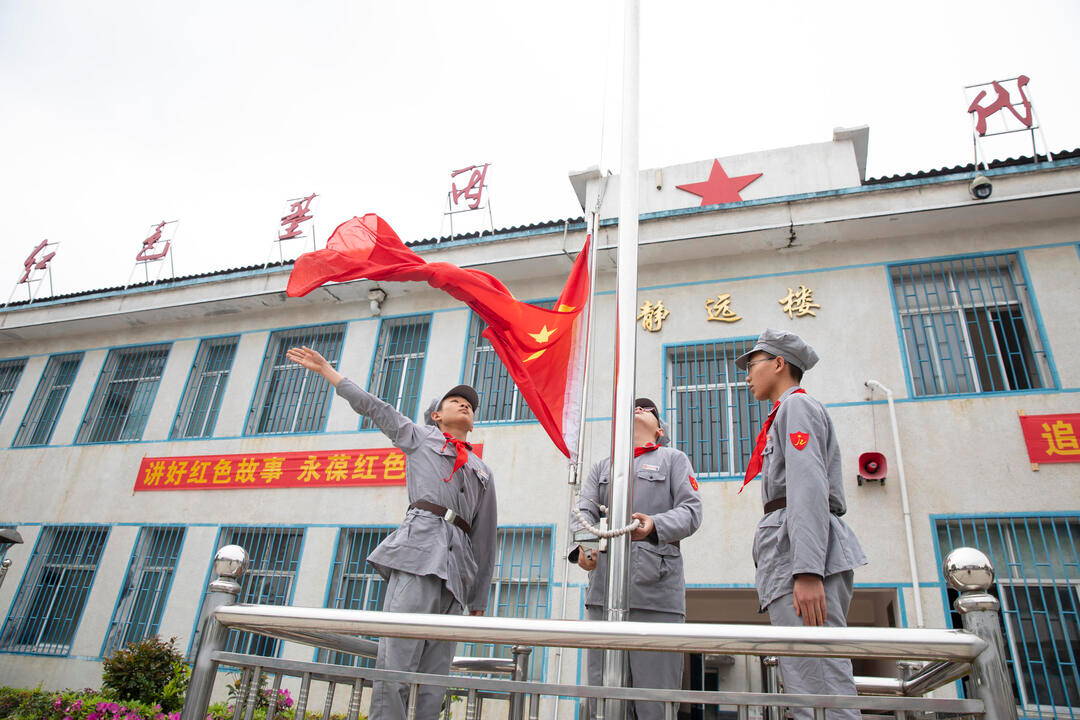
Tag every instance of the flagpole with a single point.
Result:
(617, 601)
(573, 477)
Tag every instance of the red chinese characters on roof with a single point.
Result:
(149, 245)
(33, 262)
(473, 188)
(299, 212)
(1003, 101)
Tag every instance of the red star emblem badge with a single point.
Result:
(719, 188)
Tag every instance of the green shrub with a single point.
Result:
(151, 672)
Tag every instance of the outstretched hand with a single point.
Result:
(312, 360)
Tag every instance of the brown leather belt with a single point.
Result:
(444, 512)
(781, 503)
(777, 504)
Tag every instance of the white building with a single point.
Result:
(966, 308)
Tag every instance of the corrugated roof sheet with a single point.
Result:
(970, 167)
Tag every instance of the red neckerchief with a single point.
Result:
(646, 448)
(462, 448)
(756, 460)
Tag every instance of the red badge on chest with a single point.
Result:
(799, 440)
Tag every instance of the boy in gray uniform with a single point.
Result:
(804, 553)
(667, 504)
(441, 557)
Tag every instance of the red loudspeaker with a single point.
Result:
(872, 466)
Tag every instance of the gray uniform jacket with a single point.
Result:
(425, 544)
(664, 491)
(802, 463)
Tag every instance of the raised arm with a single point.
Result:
(402, 431)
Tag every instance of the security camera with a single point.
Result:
(980, 188)
(376, 296)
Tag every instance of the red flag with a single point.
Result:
(542, 349)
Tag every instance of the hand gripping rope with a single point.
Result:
(600, 532)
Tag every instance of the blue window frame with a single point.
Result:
(273, 559)
(354, 583)
(146, 587)
(500, 399)
(201, 401)
(288, 398)
(965, 325)
(520, 586)
(398, 368)
(1037, 563)
(120, 405)
(52, 390)
(10, 372)
(52, 595)
(714, 417)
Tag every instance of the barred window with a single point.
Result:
(52, 390)
(714, 417)
(519, 587)
(964, 324)
(205, 387)
(354, 583)
(146, 587)
(123, 395)
(398, 368)
(1038, 585)
(10, 372)
(288, 398)
(50, 600)
(273, 558)
(500, 399)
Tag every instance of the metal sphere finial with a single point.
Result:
(231, 561)
(968, 570)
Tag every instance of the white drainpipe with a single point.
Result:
(903, 501)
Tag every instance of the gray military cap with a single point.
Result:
(783, 344)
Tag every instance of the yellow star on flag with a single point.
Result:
(543, 336)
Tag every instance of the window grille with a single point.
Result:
(125, 390)
(146, 587)
(500, 399)
(519, 588)
(354, 583)
(288, 398)
(273, 558)
(716, 419)
(964, 324)
(199, 406)
(398, 368)
(10, 372)
(1037, 563)
(52, 595)
(52, 390)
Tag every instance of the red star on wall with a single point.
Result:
(719, 188)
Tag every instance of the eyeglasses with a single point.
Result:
(752, 363)
(648, 410)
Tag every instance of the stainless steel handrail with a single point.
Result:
(978, 650)
(853, 642)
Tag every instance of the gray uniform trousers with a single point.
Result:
(822, 676)
(408, 593)
(647, 669)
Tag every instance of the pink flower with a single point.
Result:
(59, 702)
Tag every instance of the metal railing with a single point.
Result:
(946, 654)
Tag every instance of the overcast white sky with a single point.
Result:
(118, 114)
